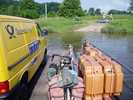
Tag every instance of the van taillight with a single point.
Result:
(4, 87)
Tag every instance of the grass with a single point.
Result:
(122, 24)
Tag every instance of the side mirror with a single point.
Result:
(44, 32)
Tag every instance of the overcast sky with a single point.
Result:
(103, 4)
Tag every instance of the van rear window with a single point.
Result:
(39, 29)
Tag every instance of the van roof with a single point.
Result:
(14, 18)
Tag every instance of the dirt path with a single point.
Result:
(95, 27)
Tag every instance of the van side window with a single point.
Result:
(39, 29)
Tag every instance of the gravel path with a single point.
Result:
(95, 27)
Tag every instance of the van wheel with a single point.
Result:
(44, 62)
(23, 91)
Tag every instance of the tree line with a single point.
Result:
(69, 8)
(32, 9)
(26, 8)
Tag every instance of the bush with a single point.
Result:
(52, 14)
(71, 8)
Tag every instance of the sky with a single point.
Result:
(105, 5)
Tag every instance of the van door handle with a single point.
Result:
(34, 61)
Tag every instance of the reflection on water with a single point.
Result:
(119, 47)
(72, 38)
(58, 41)
(54, 44)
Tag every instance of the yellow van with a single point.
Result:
(23, 47)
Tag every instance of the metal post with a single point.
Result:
(46, 10)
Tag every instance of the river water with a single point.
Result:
(119, 47)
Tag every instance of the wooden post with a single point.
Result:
(46, 11)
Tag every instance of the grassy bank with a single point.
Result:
(64, 28)
(121, 24)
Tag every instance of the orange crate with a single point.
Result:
(93, 76)
(118, 78)
(96, 97)
(109, 75)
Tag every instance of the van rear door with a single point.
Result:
(14, 43)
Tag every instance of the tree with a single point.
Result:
(27, 4)
(53, 8)
(10, 10)
(71, 8)
(6, 5)
(6, 2)
(98, 11)
(85, 12)
(113, 11)
(28, 9)
(91, 11)
(131, 5)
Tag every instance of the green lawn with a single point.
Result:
(121, 24)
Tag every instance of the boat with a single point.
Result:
(94, 76)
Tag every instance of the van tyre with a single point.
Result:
(44, 62)
(23, 91)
